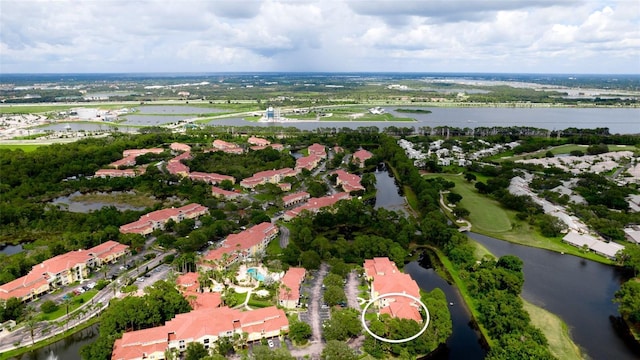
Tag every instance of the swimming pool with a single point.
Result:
(253, 272)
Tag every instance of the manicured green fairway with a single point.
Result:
(489, 218)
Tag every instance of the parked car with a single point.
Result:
(270, 342)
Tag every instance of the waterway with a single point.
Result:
(464, 342)
(387, 193)
(71, 204)
(65, 349)
(577, 290)
(623, 121)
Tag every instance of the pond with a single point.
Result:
(65, 349)
(387, 195)
(10, 249)
(577, 290)
(176, 110)
(68, 203)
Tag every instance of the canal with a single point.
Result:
(65, 349)
(579, 291)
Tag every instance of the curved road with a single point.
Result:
(44, 329)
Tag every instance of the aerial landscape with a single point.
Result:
(319, 180)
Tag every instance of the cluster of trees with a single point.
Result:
(161, 303)
(628, 297)
(439, 329)
(12, 309)
(334, 290)
(240, 166)
(495, 287)
(354, 231)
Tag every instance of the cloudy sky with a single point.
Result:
(533, 36)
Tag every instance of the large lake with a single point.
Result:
(623, 121)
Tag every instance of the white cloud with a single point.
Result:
(317, 35)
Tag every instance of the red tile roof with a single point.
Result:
(197, 324)
(210, 178)
(349, 182)
(317, 149)
(138, 152)
(243, 241)
(315, 204)
(308, 162)
(180, 147)
(362, 155)
(272, 176)
(162, 216)
(107, 249)
(258, 141)
(302, 195)
(386, 278)
(290, 284)
(223, 192)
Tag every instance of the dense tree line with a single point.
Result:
(161, 303)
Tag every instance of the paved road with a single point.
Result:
(315, 299)
(351, 290)
(284, 237)
(44, 329)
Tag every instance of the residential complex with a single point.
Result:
(315, 204)
(385, 278)
(295, 199)
(62, 270)
(360, 156)
(157, 219)
(241, 246)
(289, 292)
(189, 286)
(205, 326)
(267, 176)
(225, 194)
(228, 147)
(348, 182)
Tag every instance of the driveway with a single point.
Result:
(351, 290)
(284, 237)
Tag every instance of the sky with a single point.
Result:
(505, 36)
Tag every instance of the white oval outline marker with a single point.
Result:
(399, 341)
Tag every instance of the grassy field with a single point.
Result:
(76, 302)
(489, 218)
(556, 332)
(25, 148)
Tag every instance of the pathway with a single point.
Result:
(466, 227)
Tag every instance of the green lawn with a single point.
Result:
(274, 249)
(556, 332)
(489, 218)
(25, 148)
(76, 302)
(486, 215)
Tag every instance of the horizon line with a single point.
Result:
(306, 72)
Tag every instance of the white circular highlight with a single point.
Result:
(399, 341)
